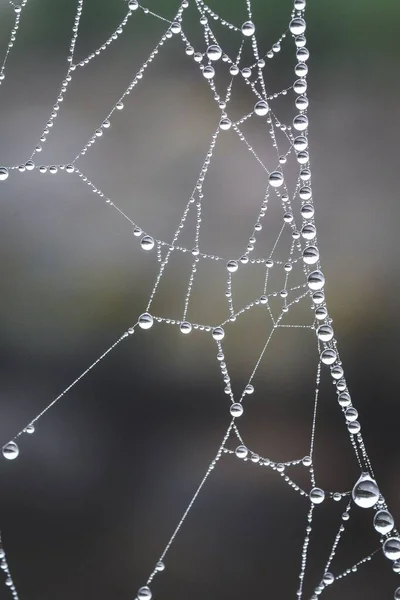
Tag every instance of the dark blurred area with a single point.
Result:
(97, 491)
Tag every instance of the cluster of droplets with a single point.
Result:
(4, 566)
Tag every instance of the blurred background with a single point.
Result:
(97, 491)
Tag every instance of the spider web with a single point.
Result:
(282, 249)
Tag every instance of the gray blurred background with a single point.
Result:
(97, 491)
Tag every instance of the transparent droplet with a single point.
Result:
(328, 578)
(391, 548)
(137, 231)
(354, 427)
(308, 231)
(147, 242)
(234, 70)
(276, 178)
(214, 52)
(397, 592)
(225, 124)
(383, 522)
(144, 593)
(29, 429)
(345, 516)
(3, 173)
(133, 4)
(145, 321)
(344, 399)
(325, 333)
(160, 566)
(241, 451)
(365, 492)
(175, 28)
(307, 461)
(297, 26)
(185, 327)
(305, 193)
(248, 28)
(317, 495)
(236, 409)
(208, 72)
(218, 333)
(337, 372)
(396, 569)
(10, 451)
(232, 266)
(351, 414)
(316, 280)
(307, 211)
(249, 389)
(321, 313)
(300, 122)
(246, 72)
(261, 108)
(311, 255)
(337, 497)
(328, 356)
(300, 143)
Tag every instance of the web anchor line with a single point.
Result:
(289, 144)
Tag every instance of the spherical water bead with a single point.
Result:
(300, 86)
(351, 414)
(232, 266)
(3, 173)
(383, 522)
(325, 333)
(302, 54)
(321, 313)
(145, 321)
(248, 28)
(311, 255)
(345, 516)
(261, 108)
(391, 548)
(317, 495)
(328, 578)
(297, 26)
(316, 280)
(365, 492)
(236, 409)
(214, 52)
(344, 399)
(337, 497)
(303, 157)
(137, 231)
(300, 122)
(208, 72)
(246, 72)
(328, 356)
(337, 372)
(147, 242)
(300, 143)
(29, 429)
(354, 427)
(307, 461)
(10, 451)
(276, 179)
(133, 4)
(234, 70)
(397, 594)
(175, 28)
(249, 389)
(218, 333)
(307, 211)
(299, 4)
(144, 593)
(309, 231)
(225, 124)
(396, 568)
(241, 451)
(160, 566)
(318, 297)
(185, 327)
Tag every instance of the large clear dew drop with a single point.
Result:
(365, 492)
(3, 173)
(383, 522)
(10, 451)
(145, 321)
(391, 548)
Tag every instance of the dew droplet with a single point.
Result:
(145, 321)
(365, 492)
(297, 26)
(175, 28)
(396, 569)
(218, 333)
(241, 451)
(325, 333)
(317, 495)
(311, 255)
(300, 122)
(133, 4)
(147, 242)
(354, 427)
(276, 178)
(397, 593)
(300, 86)
(208, 72)
(29, 429)
(249, 389)
(328, 356)
(316, 280)
(144, 593)
(160, 566)
(3, 173)
(300, 143)
(225, 124)
(185, 327)
(248, 28)
(214, 52)
(391, 548)
(344, 399)
(232, 266)
(307, 211)
(307, 461)
(10, 451)
(328, 578)
(383, 522)
(261, 108)
(351, 414)
(236, 409)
